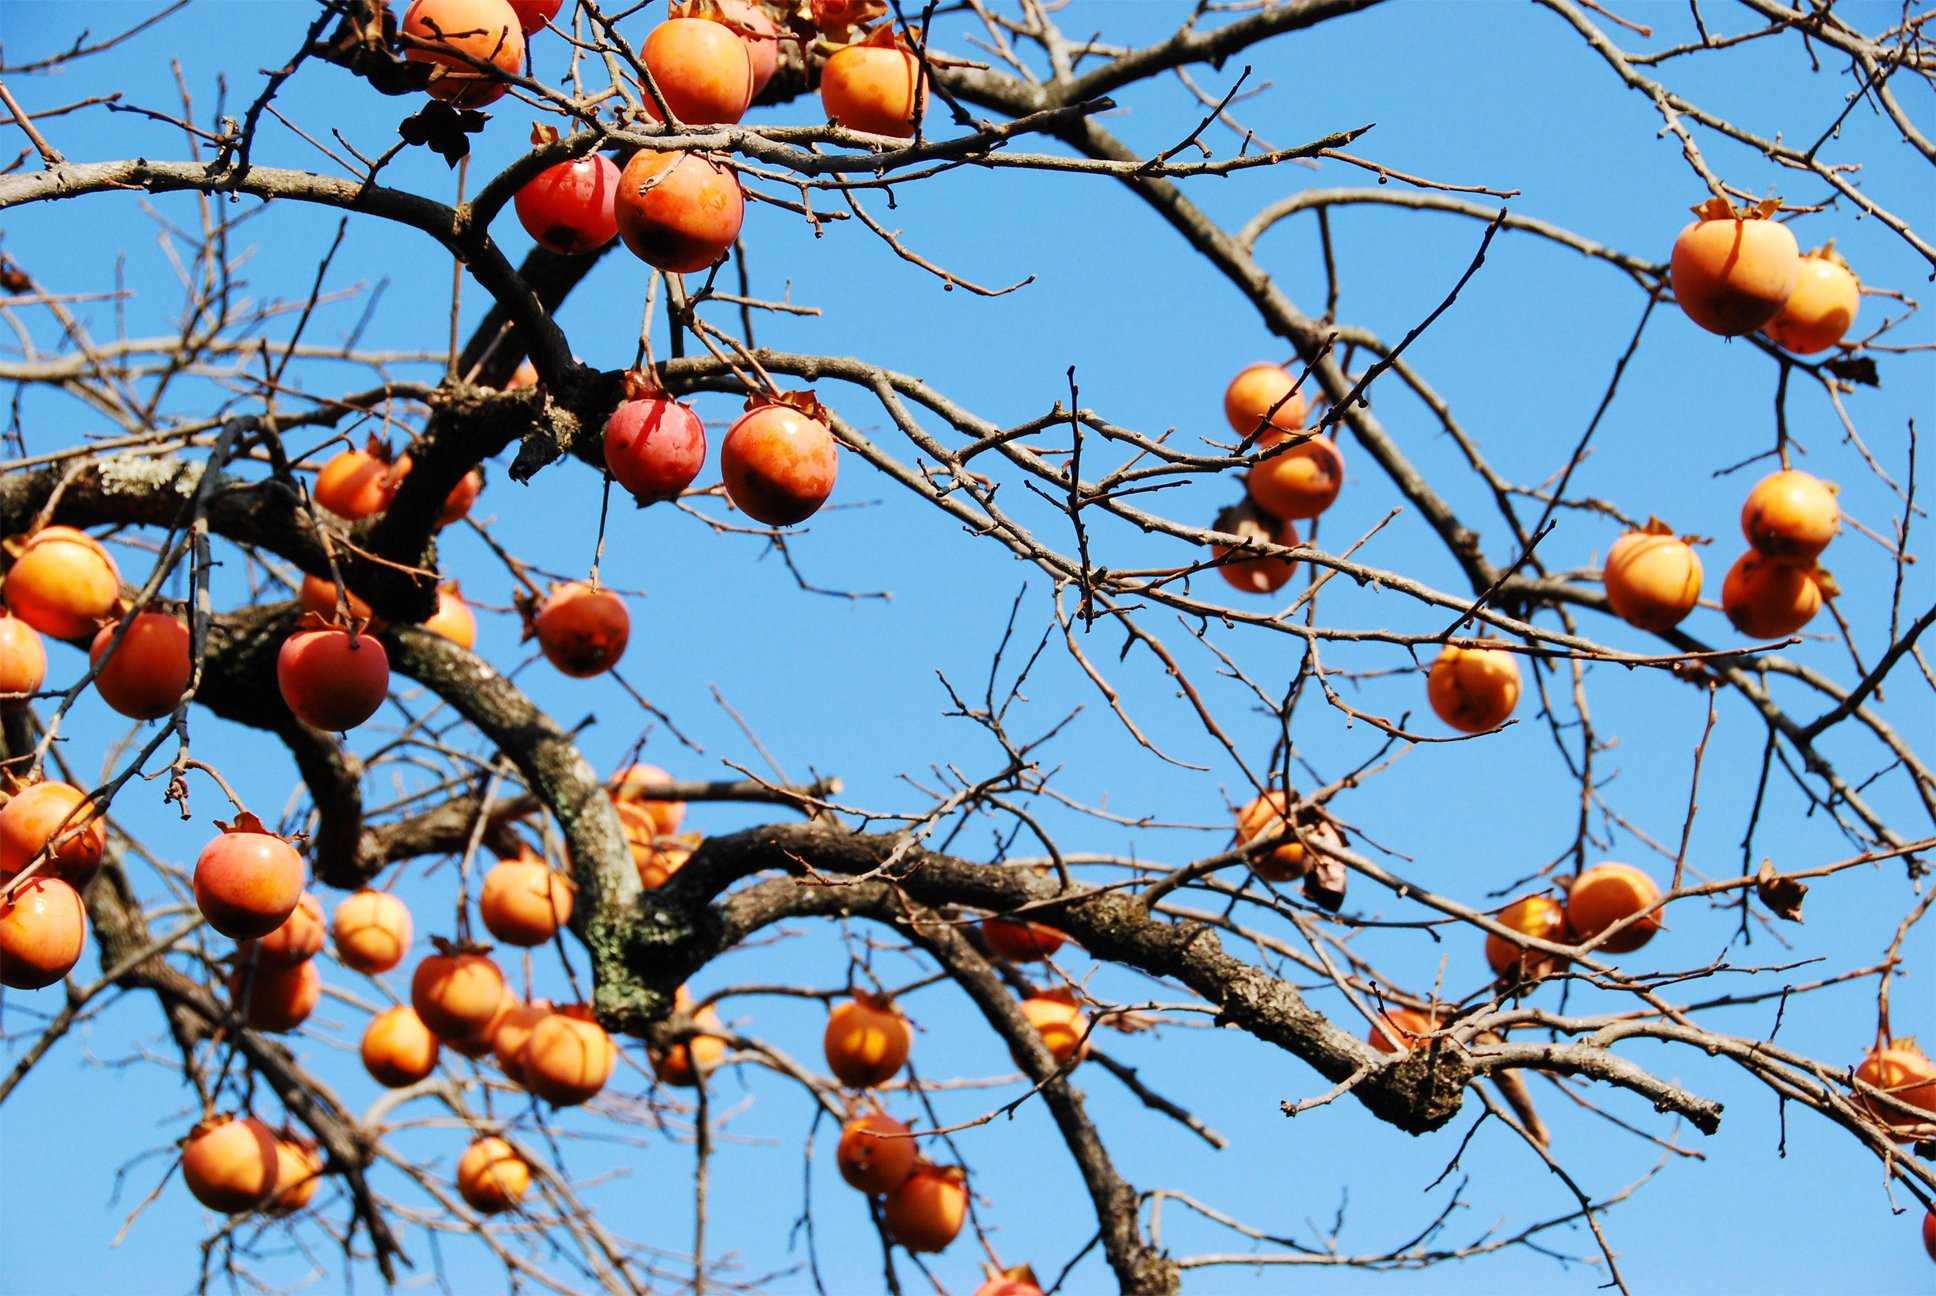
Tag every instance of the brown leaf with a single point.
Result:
(1324, 881)
(1855, 369)
(1782, 895)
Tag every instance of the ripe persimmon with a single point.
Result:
(665, 816)
(1019, 941)
(230, 1163)
(525, 901)
(144, 676)
(1473, 689)
(63, 583)
(779, 463)
(1766, 598)
(456, 504)
(703, 69)
(657, 859)
(52, 812)
(582, 630)
(299, 1173)
(567, 1058)
(356, 484)
(43, 929)
(1300, 482)
(761, 37)
(866, 1041)
(274, 997)
(512, 1032)
(1653, 578)
(927, 1210)
(1018, 1281)
(1059, 1021)
(1791, 516)
(1732, 271)
(1901, 1071)
(874, 85)
(1400, 1030)
(535, 15)
(443, 32)
(1262, 575)
(457, 994)
(1604, 895)
(398, 1049)
(654, 446)
(1263, 818)
(1533, 915)
(1262, 397)
(1929, 1233)
(869, 1162)
(1823, 305)
(372, 931)
(297, 940)
(479, 1042)
(678, 211)
(453, 619)
(248, 880)
(492, 1177)
(683, 1063)
(331, 678)
(569, 208)
(318, 595)
(23, 659)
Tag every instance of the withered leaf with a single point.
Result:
(444, 128)
(1782, 895)
(1324, 881)
(1855, 369)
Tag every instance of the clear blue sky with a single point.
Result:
(1496, 93)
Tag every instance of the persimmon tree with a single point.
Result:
(238, 534)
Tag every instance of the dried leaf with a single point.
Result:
(1324, 881)
(444, 128)
(1860, 370)
(1782, 895)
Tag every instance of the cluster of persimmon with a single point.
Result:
(1295, 476)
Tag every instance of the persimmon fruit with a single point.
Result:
(869, 1162)
(683, 1063)
(926, 1212)
(317, 594)
(275, 997)
(1059, 1021)
(1900, 1070)
(1264, 817)
(247, 880)
(703, 68)
(64, 583)
(762, 38)
(453, 619)
(1766, 598)
(230, 1163)
(866, 1041)
(488, 31)
(1653, 579)
(492, 1177)
(1473, 689)
(567, 1058)
(874, 86)
(511, 1033)
(1791, 516)
(372, 931)
(355, 484)
(457, 994)
(43, 929)
(1823, 306)
(779, 464)
(1733, 271)
(397, 1048)
(1540, 916)
(332, 678)
(1016, 940)
(297, 940)
(1262, 397)
(678, 211)
(627, 786)
(525, 901)
(52, 812)
(1298, 483)
(23, 658)
(569, 208)
(654, 447)
(299, 1173)
(582, 630)
(1260, 575)
(1400, 1030)
(1604, 895)
(1018, 1281)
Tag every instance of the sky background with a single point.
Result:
(1500, 94)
